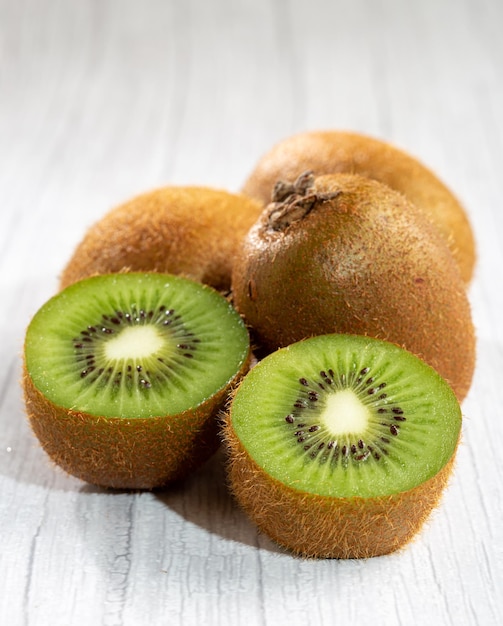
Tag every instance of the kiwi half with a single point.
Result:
(347, 254)
(333, 151)
(340, 445)
(188, 231)
(124, 375)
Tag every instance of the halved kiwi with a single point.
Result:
(124, 375)
(340, 445)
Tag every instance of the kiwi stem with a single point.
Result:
(292, 202)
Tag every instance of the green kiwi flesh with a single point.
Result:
(340, 445)
(124, 374)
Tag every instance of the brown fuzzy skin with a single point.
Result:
(364, 262)
(122, 453)
(330, 152)
(191, 231)
(323, 527)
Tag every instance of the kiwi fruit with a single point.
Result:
(339, 446)
(330, 152)
(342, 253)
(124, 376)
(189, 231)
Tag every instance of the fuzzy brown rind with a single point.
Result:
(323, 527)
(361, 260)
(329, 152)
(190, 231)
(122, 453)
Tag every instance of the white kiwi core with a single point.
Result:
(137, 341)
(344, 413)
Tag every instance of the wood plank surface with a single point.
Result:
(101, 100)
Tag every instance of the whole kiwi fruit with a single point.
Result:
(191, 231)
(347, 254)
(125, 374)
(340, 446)
(332, 151)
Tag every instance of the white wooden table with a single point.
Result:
(103, 99)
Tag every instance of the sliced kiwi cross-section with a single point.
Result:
(124, 374)
(340, 445)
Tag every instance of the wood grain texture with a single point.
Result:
(104, 99)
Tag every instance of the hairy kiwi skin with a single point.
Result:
(329, 152)
(191, 231)
(324, 527)
(361, 260)
(121, 453)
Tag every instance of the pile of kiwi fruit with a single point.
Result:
(316, 324)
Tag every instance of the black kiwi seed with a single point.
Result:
(311, 399)
(89, 344)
